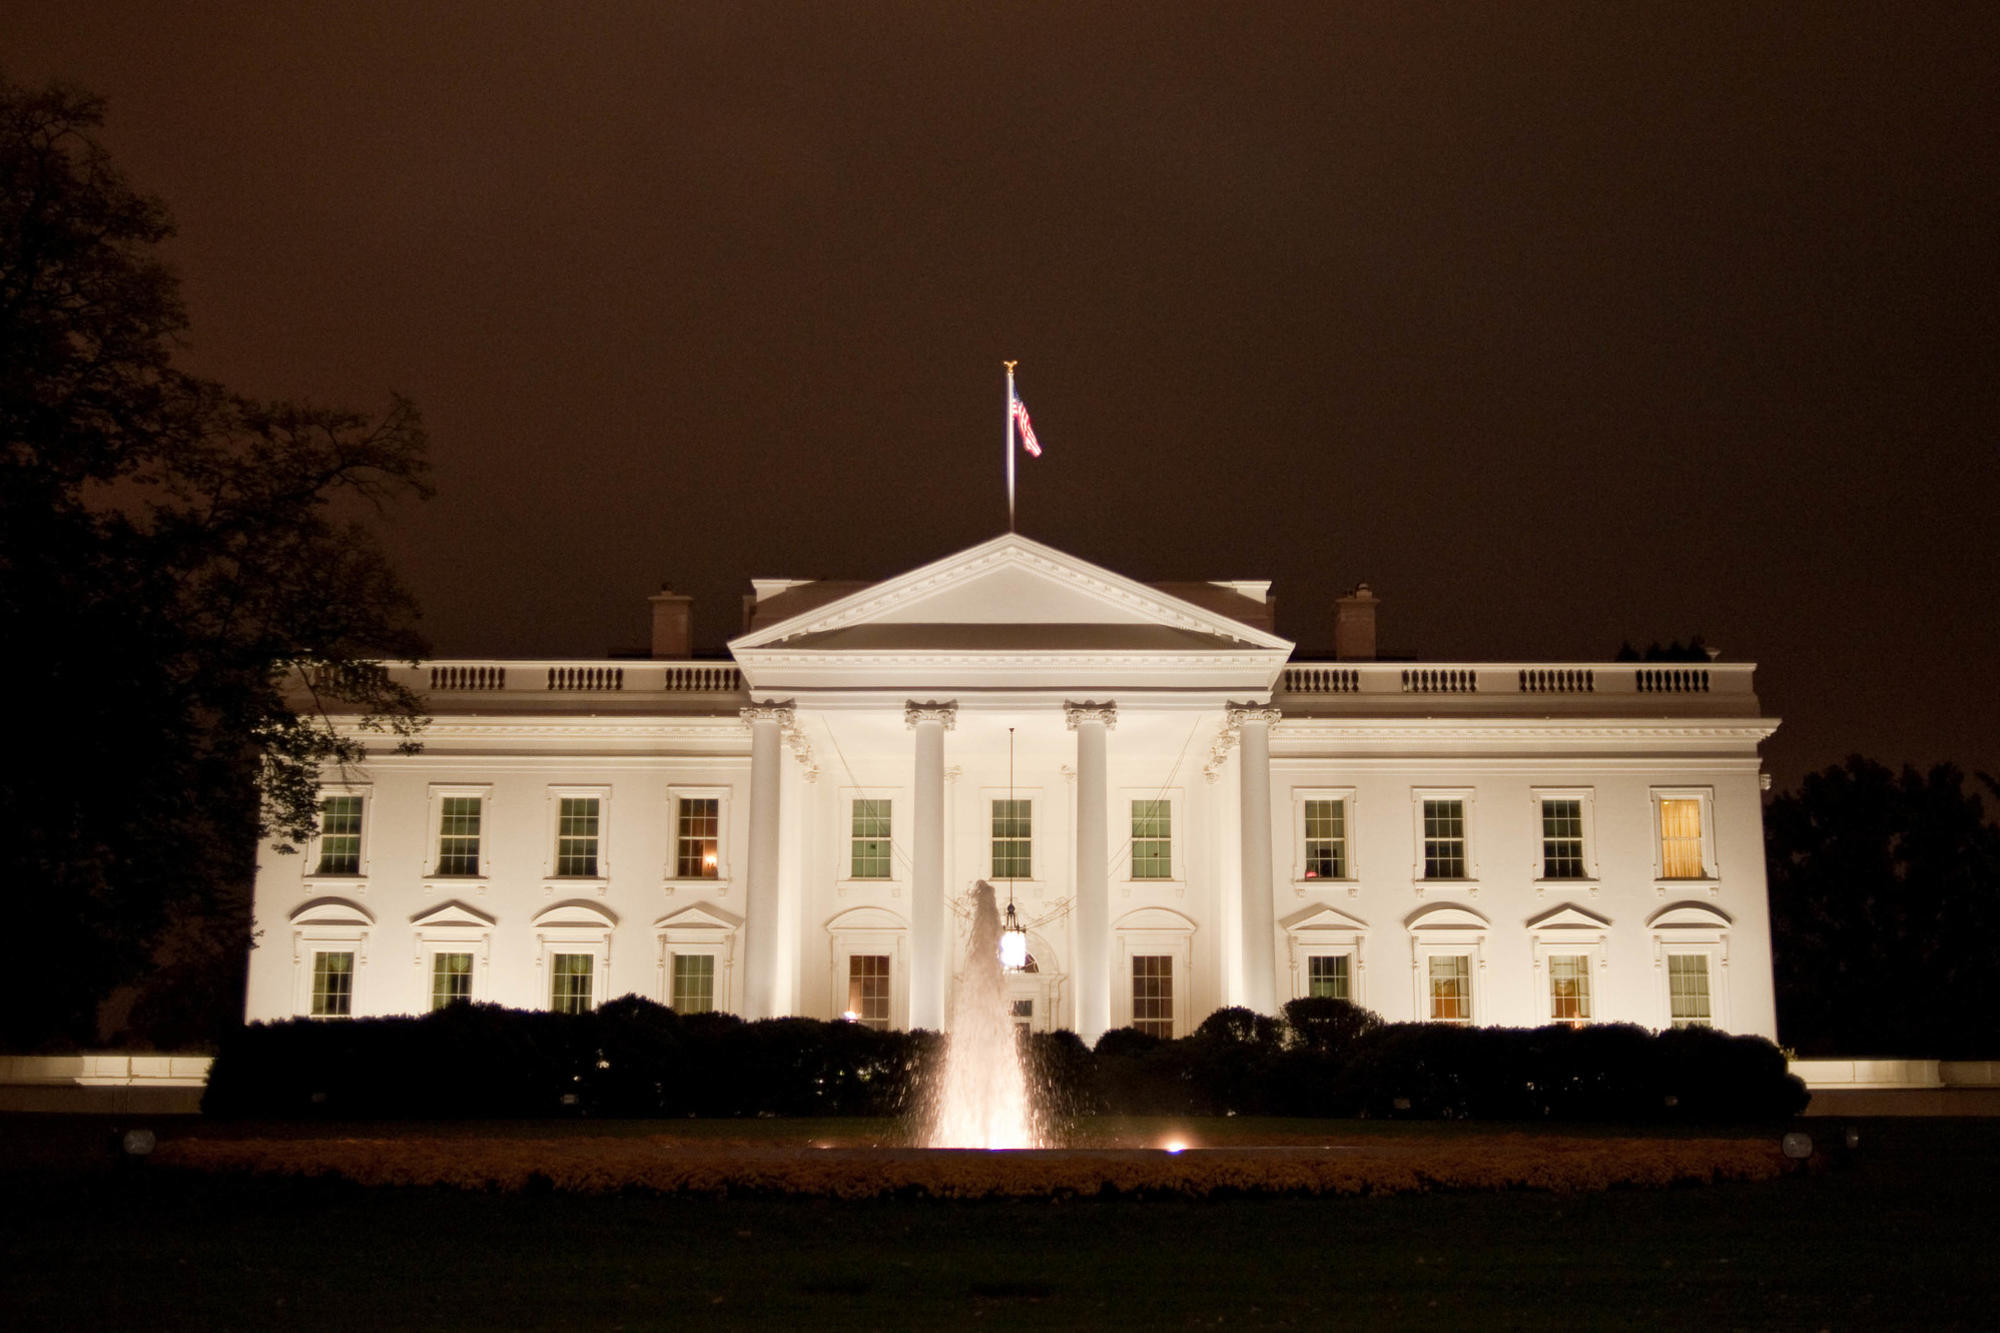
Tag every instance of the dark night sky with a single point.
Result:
(1560, 324)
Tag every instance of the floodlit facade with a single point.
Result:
(1185, 818)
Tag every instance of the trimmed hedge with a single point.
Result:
(632, 1057)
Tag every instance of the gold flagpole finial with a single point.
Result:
(1010, 365)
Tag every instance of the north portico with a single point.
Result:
(1099, 682)
(1185, 817)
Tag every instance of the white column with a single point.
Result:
(761, 919)
(1253, 728)
(1092, 966)
(930, 944)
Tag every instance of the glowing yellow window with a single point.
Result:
(1680, 839)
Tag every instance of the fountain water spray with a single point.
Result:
(981, 1098)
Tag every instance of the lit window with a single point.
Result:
(1327, 977)
(1013, 839)
(1687, 990)
(1326, 839)
(1562, 839)
(1152, 840)
(1153, 994)
(1444, 839)
(869, 840)
(576, 836)
(458, 835)
(569, 982)
(333, 985)
(451, 978)
(1680, 838)
(1451, 988)
(340, 835)
(868, 989)
(694, 983)
(1569, 988)
(696, 834)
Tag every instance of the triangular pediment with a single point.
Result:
(1011, 594)
(699, 917)
(1568, 917)
(452, 914)
(1320, 918)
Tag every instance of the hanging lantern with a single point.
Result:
(1013, 942)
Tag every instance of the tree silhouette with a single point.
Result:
(173, 558)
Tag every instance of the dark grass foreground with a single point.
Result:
(706, 1168)
(1898, 1236)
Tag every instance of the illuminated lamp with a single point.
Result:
(1013, 942)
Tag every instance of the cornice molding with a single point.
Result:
(1456, 729)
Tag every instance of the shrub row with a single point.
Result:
(632, 1057)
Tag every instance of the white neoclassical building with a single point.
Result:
(1185, 818)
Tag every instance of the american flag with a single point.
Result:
(1028, 440)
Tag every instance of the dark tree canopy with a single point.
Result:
(171, 555)
(1885, 913)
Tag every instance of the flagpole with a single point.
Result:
(1010, 443)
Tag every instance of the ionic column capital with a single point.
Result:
(769, 711)
(1238, 714)
(1104, 714)
(932, 710)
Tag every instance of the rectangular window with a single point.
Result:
(1569, 988)
(576, 836)
(1013, 839)
(694, 983)
(1024, 1015)
(458, 835)
(1451, 988)
(1680, 838)
(451, 978)
(1152, 840)
(1562, 839)
(1326, 839)
(1327, 977)
(1444, 839)
(1687, 990)
(869, 839)
(333, 985)
(340, 835)
(697, 831)
(868, 990)
(1153, 994)
(569, 981)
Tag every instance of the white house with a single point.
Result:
(1184, 817)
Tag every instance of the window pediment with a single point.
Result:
(866, 918)
(577, 913)
(1446, 918)
(331, 912)
(1689, 916)
(1154, 918)
(1568, 917)
(1322, 920)
(700, 917)
(452, 913)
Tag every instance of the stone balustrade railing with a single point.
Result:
(1307, 679)
(634, 677)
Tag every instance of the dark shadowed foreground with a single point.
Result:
(1896, 1236)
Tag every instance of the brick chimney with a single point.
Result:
(1354, 626)
(673, 625)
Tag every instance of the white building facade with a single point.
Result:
(1184, 817)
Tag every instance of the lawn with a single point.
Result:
(1899, 1236)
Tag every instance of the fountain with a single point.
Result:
(981, 1097)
